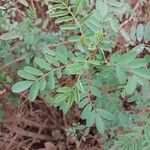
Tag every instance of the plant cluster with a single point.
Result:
(79, 52)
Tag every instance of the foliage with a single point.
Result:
(134, 140)
(76, 128)
(78, 51)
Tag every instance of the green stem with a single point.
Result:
(76, 21)
(45, 75)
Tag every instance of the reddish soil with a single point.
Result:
(39, 126)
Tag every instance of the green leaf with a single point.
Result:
(137, 63)
(147, 133)
(64, 89)
(95, 91)
(2, 8)
(115, 3)
(80, 86)
(51, 80)
(133, 33)
(21, 86)
(147, 58)
(100, 124)
(68, 27)
(33, 71)
(121, 74)
(63, 19)
(83, 103)
(79, 59)
(58, 6)
(52, 60)
(147, 32)
(140, 32)
(77, 7)
(62, 54)
(62, 58)
(76, 95)
(86, 111)
(74, 69)
(139, 48)
(60, 97)
(10, 36)
(34, 91)
(125, 34)
(131, 85)
(74, 38)
(56, 1)
(42, 84)
(142, 72)
(115, 58)
(42, 63)
(127, 57)
(114, 24)
(24, 2)
(86, 18)
(58, 14)
(143, 82)
(105, 114)
(59, 73)
(68, 104)
(102, 8)
(94, 62)
(91, 119)
(23, 74)
(93, 24)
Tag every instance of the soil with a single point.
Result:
(39, 126)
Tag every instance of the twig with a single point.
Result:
(22, 132)
(32, 4)
(14, 61)
(39, 132)
(41, 12)
(24, 57)
(75, 19)
(11, 142)
(58, 44)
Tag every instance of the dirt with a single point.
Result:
(39, 126)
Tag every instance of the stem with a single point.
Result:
(14, 61)
(58, 44)
(24, 57)
(125, 67)
(76, 21)
(45, 75)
